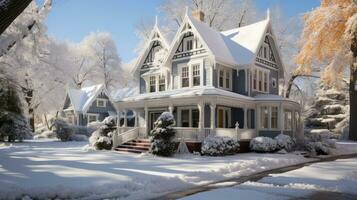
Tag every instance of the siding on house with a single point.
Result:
(239, 82)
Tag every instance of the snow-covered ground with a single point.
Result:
(55, 169)
(328, 180)
(51, 168)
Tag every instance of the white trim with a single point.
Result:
(91, 115)
(189, 108)
(190, 73)
(105, 101)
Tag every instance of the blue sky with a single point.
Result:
(74, 19)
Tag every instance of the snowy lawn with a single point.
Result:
(328, 180)
(43, 169)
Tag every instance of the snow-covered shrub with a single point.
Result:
(101, 138)
(67, 132)
(263, 144)
(45, 134)
(284, 142)
(320, 142)
(162, 135)
(63, 130)
(219, 146)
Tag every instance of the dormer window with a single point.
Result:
(196, 75)
(101, 103)
(185, 79)
(152, 84)
(162, 85)
(189, 44)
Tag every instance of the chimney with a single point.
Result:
(198, 15)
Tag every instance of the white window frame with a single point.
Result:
(286, 126)
(225, 72)
(262, 78)
(269, 107)
(91, 115)
(152, 79)
(179, 115)
(160, 83)
(229, 111)
(104, 102)
(190, 69)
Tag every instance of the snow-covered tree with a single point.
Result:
(330, 39)
(162, 135)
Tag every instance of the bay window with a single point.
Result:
(196, 75)
(225, 78)
(221, 75)
(274, 117)
(261, 80)
(264, 117)
(265, 82)
(287, 120)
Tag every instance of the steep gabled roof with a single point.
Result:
(238, 46)
(148, 44)
(81, 99)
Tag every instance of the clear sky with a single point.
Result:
(74, 19)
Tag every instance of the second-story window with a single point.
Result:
(101, 103)
(255, 80)
(221, 78)
(265, 82)
(196, 75)
(152, 83)
(260, 81)
(185, 79)
(228, 79)
(162, 86)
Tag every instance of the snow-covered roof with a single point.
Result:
(271, 97)
(183, 92)
(82, 98)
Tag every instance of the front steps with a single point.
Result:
(135, 146)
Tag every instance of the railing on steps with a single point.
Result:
(124, 137)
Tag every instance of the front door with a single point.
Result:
(153, 117)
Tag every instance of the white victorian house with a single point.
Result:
(211, 81)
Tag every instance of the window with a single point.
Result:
(228, 80)
(255, 80)
(162, 86)
(265, 52)
(260, 80)
(265, 82)
(287, 120)
(274, 117)
(152, 83)
(297, 120)
(189, 45)
(273, 83)
(264, 117)
(185, 118)
(196, 75)
(185, 79)
(92, 118)
(195, 118)
(224, 117)
(101, 103)
(190, 117)
(221, 74)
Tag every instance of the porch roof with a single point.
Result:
(184, 92)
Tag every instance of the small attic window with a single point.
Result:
(101, 103)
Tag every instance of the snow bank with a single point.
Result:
(64, 170)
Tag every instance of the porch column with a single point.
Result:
(118, 120)
(135, 112)
(201, 109)
(171, 108)
(281, 116)
(125, 119)
(146, 110)
(245, 126)
(213, 115)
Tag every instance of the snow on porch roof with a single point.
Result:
(82, 98)
(185, 92)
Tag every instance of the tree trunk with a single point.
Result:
(290, 84)
(353, 92)
(10, 10)
(32, 119)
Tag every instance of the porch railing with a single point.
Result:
(121, 138)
